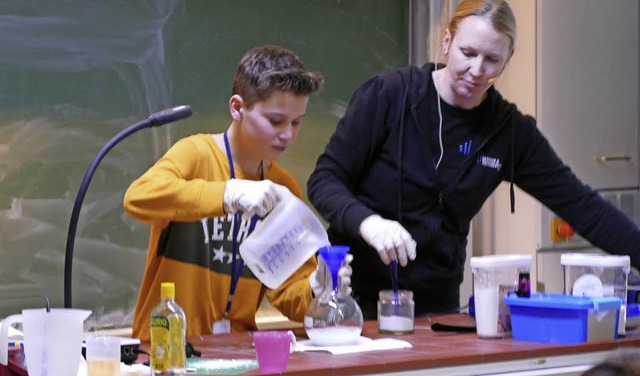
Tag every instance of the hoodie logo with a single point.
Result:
(489, 162)
(465, 148)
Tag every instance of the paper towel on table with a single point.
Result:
(363, 344)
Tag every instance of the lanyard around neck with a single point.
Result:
(235, 273)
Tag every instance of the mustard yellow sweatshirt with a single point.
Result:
(190, 241)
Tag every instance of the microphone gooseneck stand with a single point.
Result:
(157, 119)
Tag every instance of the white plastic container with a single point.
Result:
(51, 339)
(493, 278)
(596, 275)
(284, 240)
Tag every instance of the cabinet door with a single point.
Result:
(587, 96)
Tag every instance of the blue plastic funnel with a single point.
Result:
(334, 256)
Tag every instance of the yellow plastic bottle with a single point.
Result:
(168, 331)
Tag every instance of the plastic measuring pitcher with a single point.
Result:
(284, 240)
(52, 340)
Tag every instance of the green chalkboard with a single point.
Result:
(74, 73)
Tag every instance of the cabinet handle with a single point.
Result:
(611, 158)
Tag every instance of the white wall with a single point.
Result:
(496, 230)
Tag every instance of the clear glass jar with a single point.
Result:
(395, 315)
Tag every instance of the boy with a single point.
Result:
(204, 184)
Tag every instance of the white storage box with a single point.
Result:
(596, 275)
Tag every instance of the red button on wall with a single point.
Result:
(565, 230)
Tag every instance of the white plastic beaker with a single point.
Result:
(52, 340)
(284, 240)
(494, 277)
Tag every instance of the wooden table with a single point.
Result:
(433, 353)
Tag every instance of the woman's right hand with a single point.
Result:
(389, 238)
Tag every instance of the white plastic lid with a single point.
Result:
(501, 261)
(585, 259)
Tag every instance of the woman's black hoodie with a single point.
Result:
(379, 161)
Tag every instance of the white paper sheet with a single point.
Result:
(364, 344)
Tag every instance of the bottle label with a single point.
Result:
(167, 343)
(177, 353)
(159, 354)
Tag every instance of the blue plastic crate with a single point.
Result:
(558, 318)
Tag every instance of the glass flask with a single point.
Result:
(333, 318)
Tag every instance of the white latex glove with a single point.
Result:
(252, 197)
(389, 238)
(321, 277)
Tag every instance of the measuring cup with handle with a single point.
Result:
(52, 340)
(284, 240)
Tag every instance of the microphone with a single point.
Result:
(157, 119)
(169, 115)
(492, 79)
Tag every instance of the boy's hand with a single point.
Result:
(321, 277)
(252, 197)
(389, 238)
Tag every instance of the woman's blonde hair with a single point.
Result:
(497, 11)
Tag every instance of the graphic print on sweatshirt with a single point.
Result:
(207, 243)
(489, 162)
(465, 148)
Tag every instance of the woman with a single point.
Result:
(418, 152)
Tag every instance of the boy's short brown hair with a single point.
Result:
(265, 69)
